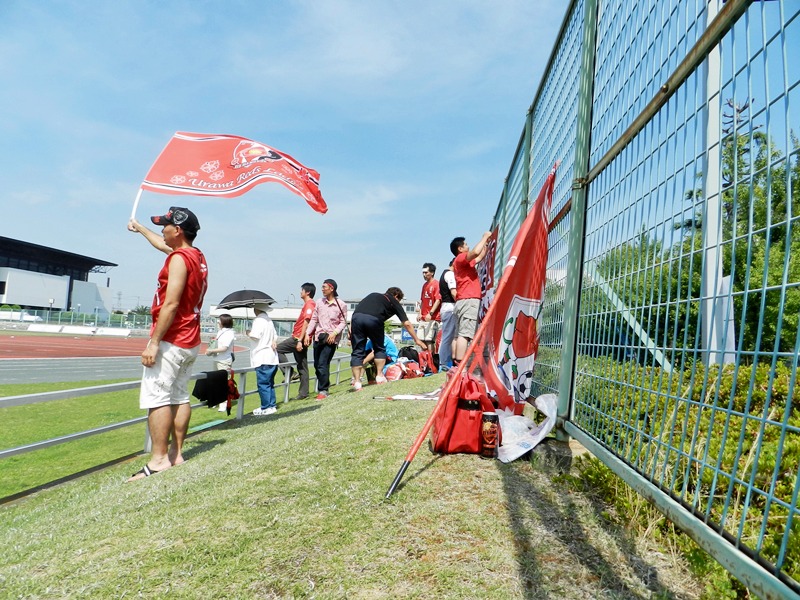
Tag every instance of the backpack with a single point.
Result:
(427, 362)
(409, 352)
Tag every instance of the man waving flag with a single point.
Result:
(228, 165)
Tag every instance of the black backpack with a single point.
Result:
(409, 352)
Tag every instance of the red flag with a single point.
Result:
(503, 352)
(228, 165)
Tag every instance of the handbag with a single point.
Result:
(457, 427)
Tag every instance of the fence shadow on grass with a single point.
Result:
(529, 491)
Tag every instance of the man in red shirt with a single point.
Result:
(296, 344)
(430, 301)
(174, 336)
(468, 287)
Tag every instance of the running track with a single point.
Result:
(41, 359)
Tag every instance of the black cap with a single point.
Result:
(180, 217)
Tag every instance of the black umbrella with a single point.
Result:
(245, 298)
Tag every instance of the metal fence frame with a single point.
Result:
(632, 104)
(22, 400)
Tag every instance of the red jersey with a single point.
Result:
(468, 284)
(185, 329)
(430, 294)
(305, 315)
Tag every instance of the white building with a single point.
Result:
(37, 277)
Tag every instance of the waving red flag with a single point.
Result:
(228, 165)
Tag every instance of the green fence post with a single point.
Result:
(577, 229)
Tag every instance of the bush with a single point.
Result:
(720, 439)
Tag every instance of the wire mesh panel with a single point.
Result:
(510, 215)
(688, 334)
(554, 117)
(639, 45)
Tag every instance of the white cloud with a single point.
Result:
(410, 111)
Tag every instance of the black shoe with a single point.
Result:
(299, 398)
(296, 377)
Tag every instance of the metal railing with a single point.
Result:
(669, 325)
(22, 400)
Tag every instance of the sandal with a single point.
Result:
(146, 471)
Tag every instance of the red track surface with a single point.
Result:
(68, 346)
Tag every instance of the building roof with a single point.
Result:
(11, 248)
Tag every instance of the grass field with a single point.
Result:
(38, 422)
(292, 506)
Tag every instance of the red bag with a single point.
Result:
(411, 369)
(233, 391)
(457, 427)
(393, 372)
(426, 362)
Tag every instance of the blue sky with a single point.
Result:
(411, 112)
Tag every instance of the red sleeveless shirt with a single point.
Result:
(185, 329)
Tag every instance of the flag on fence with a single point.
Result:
(504, 350)
(228, 166)
(485, 270)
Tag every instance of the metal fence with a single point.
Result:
(25, 317)
(281, 388)
(670, 319)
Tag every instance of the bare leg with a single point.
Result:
(181, 414)
(460, 348)
(379, 364)
(357, 373)
(159, 421)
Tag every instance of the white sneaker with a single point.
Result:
(357, 386)
(222, 408)
(380, 379)
(270, 411)
(258, 412)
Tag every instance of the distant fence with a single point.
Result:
(669, 326)
(75, 318)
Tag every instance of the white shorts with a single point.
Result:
(167, 381)
(427, 330)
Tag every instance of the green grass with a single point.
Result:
(46, 420)
(38, 422)
(292, 506)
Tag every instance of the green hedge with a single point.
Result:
(712, 437)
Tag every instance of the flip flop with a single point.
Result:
(146, 471)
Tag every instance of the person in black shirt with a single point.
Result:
(367, 323)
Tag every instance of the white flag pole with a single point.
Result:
(136, 204)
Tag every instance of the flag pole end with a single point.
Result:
(397, 478)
